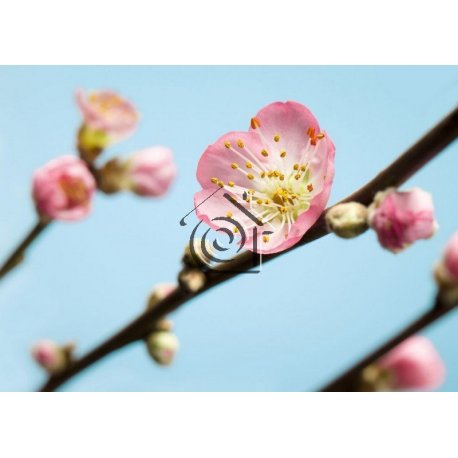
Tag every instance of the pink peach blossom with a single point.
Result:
(414, 364)
(108, 112)
(280, 171)
(63, 189)
(402, 217)
(48, 355)
(151, 171)
(451, 257)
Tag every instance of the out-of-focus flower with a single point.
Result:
(281, 172)
(107, 115)
(446, 273)
(451, 257)
(402, 217)
(63, 189)
(52, 357)
(162, 346)
(150, 172)
(414, 364)
(347, 220)
(159, 292)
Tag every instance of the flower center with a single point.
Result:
(105, 102)
(75, 191)
(282, 190)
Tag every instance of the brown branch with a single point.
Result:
(16, 257)
(350, 380)
(396, 174)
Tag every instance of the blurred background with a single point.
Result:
(305, 318)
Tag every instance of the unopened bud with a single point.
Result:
(112, 176)
(374, 378)
(163, 325)
(197, 253)
(192, 280)
(91, 143)
(347, 220)
(159, 292)
(52, 357)
(162, 346)
(446, 273)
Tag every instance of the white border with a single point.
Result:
(227, 425)
(228, 32)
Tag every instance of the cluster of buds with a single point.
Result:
(53, 358)
(63, 188)
(196, 258)
(414, 364)
(161, 343)
(446, 273)
(399, 218)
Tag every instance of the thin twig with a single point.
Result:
(350, 380)
(16, 257)
(396, 174)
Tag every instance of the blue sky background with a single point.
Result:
(308, 316)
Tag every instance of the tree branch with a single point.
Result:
(350, 380)
(396, 174)
(16, 257)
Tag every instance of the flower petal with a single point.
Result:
(237, 148)
(284, 126)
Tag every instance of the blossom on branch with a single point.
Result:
(280, 171)
(414, 364)
(151, 171)
(63, 189)
(50, 356)
(108, 114)
(451, 257)
(401, 217)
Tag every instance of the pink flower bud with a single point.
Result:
(160, 292)
(451, 257)
(402, 217)
(108, 113)
(49, 356)
(162, 346)
(414, 365)
(63, 189)
(152, 171)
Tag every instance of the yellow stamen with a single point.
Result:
(234, 165)
(229, 214)
(214, 180)
(263, 174)
(227, 144)
(240, 143)
(255, 123)
(250, 176)
(249, 165)
(264, 153)
(297, 176)
(235, 230)
(231, 184)
(283, 154)
(296, 166)
(259, 201)
(221, 184)
(265, 238)
(310, 187)
(276, 138)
